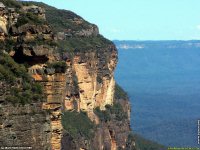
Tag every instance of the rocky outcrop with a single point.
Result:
(96, 77)
(112, 133)
(80, 80)
(91, 31)
(19, 123)
(39, 11)
(3, 22)
(39, 122)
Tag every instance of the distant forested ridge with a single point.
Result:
(171, 44)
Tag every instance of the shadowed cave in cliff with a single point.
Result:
(33, 59)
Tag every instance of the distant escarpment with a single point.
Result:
(57, 87)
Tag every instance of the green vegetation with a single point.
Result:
(40, 41)
(116, 111)
(64, 19)
(10, 70)
(77, 124)
(11, 3)
(174, 148)
(7, 45)
(144, 144)
(60, 66)
(24, 17)
(130, 142)
(103, 115)
(75, 83)
(29, 92)
(120, 93)
(78, 44)
(23, 89)
(30, 18)
(99, 79)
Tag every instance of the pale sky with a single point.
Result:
(139, 19)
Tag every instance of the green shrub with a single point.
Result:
(63, 20)
(36, 97)
(11, 3)
(78, 44)
(60, 66)
(22, 21)
(120, 93)
(77, 124)
(12, 99)
(26, 86)
(25, 95)
(34, 18)
(27, 90)
(144, 144)
(119, 112)
(30, 18)
(41, 41)
(131, 142)
(6, 75)
(37, 88)
(116, 111)
(9, 44)
(99, 79)
(75, 83)
(15, 70)
(2, 45)
(103, 115)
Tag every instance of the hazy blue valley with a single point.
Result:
(163, 82)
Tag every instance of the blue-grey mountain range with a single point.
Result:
(162, 79)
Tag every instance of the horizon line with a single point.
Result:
(156, 40)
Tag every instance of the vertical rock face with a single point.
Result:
(95, 74)
(40, 122)
(54, 89)
(82, 82)
(27, 125)
(39, 11)
(22, 123)
(55, 124)
(3, 21)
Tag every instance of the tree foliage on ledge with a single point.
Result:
(11, 3)
(23, 90)
(30, 18)
(60, 66)
(77, 124)
(116, 111)
(24, 17)
(120, 93)
(144, 144)
(61, 20)
(80, 44)
(66, 20)
(10, 70)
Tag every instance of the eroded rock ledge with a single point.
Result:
(75, 78)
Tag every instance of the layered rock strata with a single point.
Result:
(86, 83)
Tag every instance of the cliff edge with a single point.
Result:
(57, 87)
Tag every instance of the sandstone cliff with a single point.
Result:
(75, 66)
